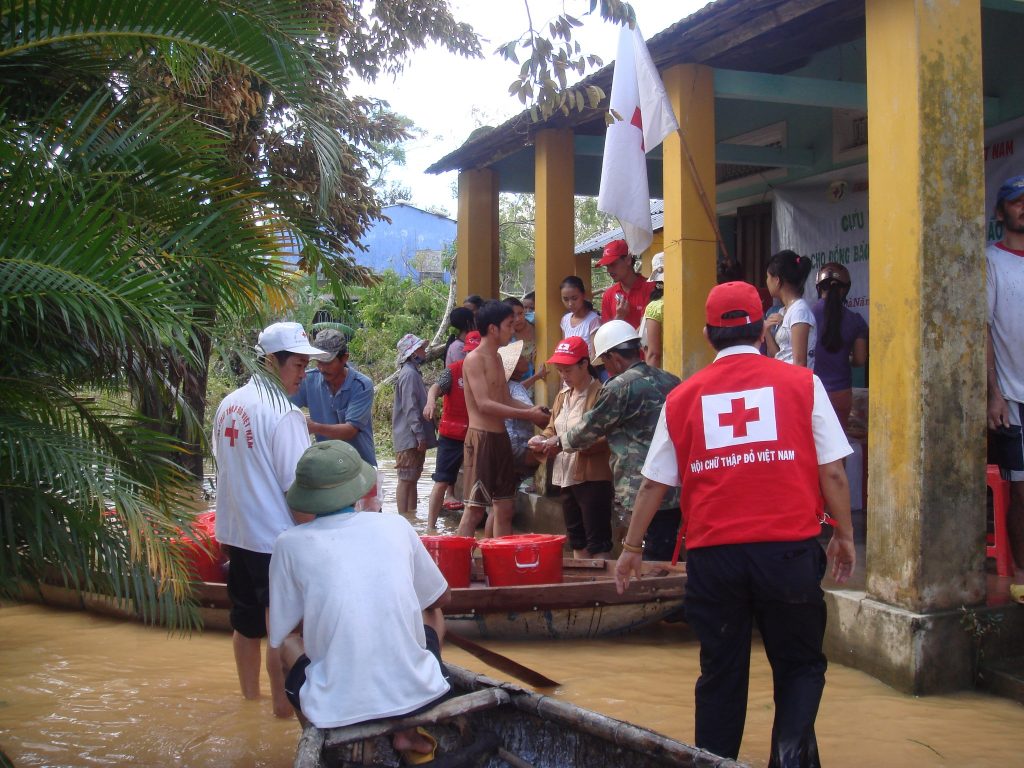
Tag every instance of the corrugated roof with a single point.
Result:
(594, 245)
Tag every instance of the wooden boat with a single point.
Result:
(491, 724)
(585, 605)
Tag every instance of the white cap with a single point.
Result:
(613, 333)
(657, 268)
(288, 337)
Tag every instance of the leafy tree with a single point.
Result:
(516, 242)
(551, 57)
(160, 157)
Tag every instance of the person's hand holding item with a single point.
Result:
(621, 307)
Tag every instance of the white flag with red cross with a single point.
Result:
(737, 418)
(638, 96)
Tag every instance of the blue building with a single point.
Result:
(412, 244)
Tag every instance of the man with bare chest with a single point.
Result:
(489, 478)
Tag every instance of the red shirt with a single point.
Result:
(742, 434)
(638, 296)
(454, 416)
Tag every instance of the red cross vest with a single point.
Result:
(749, 468)
(454, 416)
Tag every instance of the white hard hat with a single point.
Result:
(613, 333)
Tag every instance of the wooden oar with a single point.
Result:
(504, 663)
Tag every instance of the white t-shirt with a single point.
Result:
(797, 312)
(359, 583)
(258, 438)
(1004, 283)
(586, 329)
(830, 441)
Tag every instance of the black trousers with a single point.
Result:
(777, 585)
(587, 508)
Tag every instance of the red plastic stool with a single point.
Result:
(999, 540)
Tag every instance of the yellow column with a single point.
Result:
(554, 233)
(476, 258)
(689, 236)
(926, 426)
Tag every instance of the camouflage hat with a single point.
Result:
(332, 342)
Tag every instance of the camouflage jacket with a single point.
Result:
(626, 412)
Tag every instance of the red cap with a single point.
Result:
(733, 297)
(616, 249)
(472, 341)
(570, 351)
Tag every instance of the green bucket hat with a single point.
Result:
(329, 476)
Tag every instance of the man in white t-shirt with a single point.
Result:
(258, 437)
(743, 427)
(368, 597)
(1005, 357)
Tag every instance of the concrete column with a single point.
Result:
(925, 548)
(689, 236)
(554, 233)
(476, 258)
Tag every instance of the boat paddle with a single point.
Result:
(504, 663)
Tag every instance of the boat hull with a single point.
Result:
(585, 605)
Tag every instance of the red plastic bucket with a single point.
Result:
(453, 555)
(204, 555)
(530, 558)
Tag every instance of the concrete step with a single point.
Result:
(1003, 677)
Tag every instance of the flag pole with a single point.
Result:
(705, 203)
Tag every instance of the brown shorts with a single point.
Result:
(488, 468)
(409, 464)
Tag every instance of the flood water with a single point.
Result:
(81, 690)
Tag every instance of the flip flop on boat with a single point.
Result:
(452, 504)
(412, 757)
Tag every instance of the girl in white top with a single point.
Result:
(792, 333)
(581, 319)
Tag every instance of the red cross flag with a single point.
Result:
(638, 96)
(736, 418)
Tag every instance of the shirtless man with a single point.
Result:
(489, 479)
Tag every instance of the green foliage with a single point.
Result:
(388, 310)
(516, 241)
(552, 56)
(158, 158)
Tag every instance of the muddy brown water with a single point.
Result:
(82, 690)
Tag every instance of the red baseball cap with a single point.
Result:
(570, 351)
(616, 249)
(736, 296)
(472, 341)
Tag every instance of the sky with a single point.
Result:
(448, 96)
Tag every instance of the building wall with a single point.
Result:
(411, 244)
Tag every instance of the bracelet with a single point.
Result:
(633, 550)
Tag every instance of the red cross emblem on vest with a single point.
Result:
(737, 418)
(231, 433)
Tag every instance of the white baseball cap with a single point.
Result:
(288, 337)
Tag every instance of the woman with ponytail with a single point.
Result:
(842, 338)
(463, 321)
(794, 337)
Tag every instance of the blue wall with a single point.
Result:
(394, 245)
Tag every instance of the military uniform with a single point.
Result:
(626, 413)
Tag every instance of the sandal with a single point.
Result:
(452, 504)
(411, 757)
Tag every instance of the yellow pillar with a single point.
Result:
(554, 233)
(476, 258)
(689, 237)
(926, 425)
